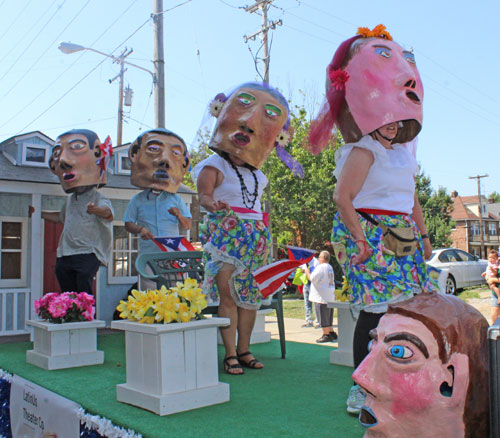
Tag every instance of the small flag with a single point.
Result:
(178, 243)
(106, 149)
(271, 277)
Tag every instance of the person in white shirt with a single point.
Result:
(322, 292)
(374, 96)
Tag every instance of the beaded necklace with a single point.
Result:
(249, 199)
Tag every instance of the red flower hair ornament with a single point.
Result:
(338, 78)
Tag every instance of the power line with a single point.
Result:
(51, 44)
(35, 37)
(69, 67)
(15, 19)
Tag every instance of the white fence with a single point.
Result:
(14, 311)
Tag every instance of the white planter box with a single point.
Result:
(346, 324)
(66, 345)
(172, 367)
(259, 334)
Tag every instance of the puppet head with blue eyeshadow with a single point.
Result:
(371, 82)
(426, 374)
(159, 160)
(251, 121)
(80, 160)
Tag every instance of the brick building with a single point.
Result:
(467, 233)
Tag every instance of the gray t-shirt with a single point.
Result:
(85, 233)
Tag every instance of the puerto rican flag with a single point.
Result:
(178, 243)
(270, 277)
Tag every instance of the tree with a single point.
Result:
(437, 207)
(302, 209)
(494, 196)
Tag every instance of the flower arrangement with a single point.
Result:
(66, 307)
(178, 304)
(379, 31)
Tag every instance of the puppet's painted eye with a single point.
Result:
(383, 52)
(400, 352)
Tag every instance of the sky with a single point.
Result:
(455, 46)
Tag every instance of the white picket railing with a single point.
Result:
(11, 302)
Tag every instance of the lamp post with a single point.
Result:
(68, 48)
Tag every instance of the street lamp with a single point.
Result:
(68, 48)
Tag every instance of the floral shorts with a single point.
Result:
(243, 243)
(383, 277)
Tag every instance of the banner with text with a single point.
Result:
(36, 412)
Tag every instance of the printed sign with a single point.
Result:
(36, 412)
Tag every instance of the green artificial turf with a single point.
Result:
(302, 395)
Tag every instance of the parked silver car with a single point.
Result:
(464, 269)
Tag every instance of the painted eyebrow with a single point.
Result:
(403, 336)
(248, 96)
(154, 141)
(275, 108)
(75, 140)
(382, 46)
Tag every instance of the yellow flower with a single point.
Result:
(166, 310)
(125, 311)
(184, 314)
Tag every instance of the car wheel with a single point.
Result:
(450, 286)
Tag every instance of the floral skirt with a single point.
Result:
(243, 243)
(382, 278)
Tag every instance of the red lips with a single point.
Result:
(70, 176)
(241, 139)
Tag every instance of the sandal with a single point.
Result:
(251, 363)
(235, 366)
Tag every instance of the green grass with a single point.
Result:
(472, 292)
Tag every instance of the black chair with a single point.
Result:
(170, 267)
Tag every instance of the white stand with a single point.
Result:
(346, 324)
(172, 367)
(259, 334)
(66, 345)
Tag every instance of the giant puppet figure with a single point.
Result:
(80, 161)
(159, 160)
(252, 120)
(426, 374)
(374, 96)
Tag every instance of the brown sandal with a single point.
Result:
(251, 363)
(234, 366)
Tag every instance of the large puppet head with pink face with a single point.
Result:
(371, 81)
(80, 160)
(251, 121)
(427, 371)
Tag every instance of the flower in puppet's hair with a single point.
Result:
(338, 78)
(283, 138)
(378, 31)
(217, 104)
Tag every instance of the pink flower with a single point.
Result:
(229, 223)
(84, 300)
(261, 245)
(89, 313)
(58, 307)
(338, 78)
(249, 228)
(259, 225)
(212, 227)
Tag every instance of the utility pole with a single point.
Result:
(478, 178)
(159, 63)
(121, 61)
(263, 5)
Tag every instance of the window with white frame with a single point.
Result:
(492, 228)
(35, 155)
(124, 164)
(13, 249)
(121, 268)
(474, 229)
